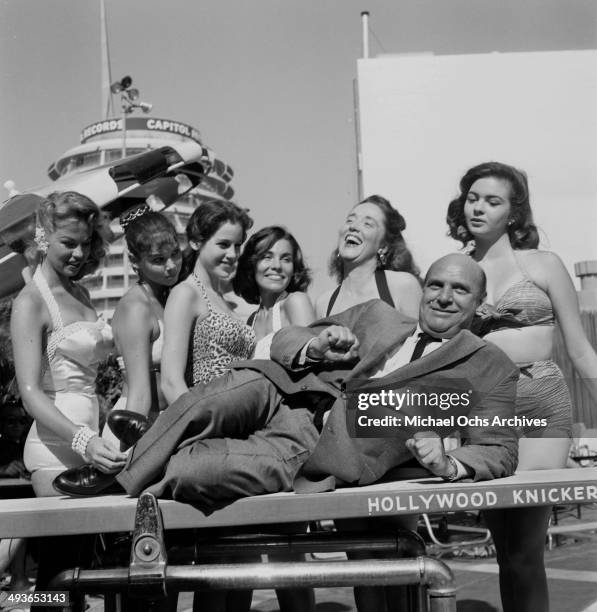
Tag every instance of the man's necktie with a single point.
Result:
(422, 342)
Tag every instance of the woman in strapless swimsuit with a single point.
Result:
(138, 322)
(372, 261)
(58, 343)
(272, 273)
(528, 290)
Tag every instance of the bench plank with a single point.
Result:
(110, 513)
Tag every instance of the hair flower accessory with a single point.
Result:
(40, 239)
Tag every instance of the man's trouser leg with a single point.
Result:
(214, 472)
(234, 405)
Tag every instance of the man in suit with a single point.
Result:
(252, 431)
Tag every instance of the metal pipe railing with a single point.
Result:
(400, 542)
(431, 573)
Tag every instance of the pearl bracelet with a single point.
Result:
(81, 440)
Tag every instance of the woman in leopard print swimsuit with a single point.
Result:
(199, 321)
(197, 316)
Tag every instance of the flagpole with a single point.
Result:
(106, 76)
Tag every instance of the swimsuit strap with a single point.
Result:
(381, 283)
(203, 292)
(382, 287)
(276, 317)
(57, 333)
(333, 299)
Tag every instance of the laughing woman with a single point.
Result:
(533, 290)
(372, 261)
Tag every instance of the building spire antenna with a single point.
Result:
(365, 33)
(106, 71)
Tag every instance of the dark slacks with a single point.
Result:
(233, 437)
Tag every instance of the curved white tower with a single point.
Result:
(102, 142)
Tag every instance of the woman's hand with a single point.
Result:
(104, 455)
(15, 469)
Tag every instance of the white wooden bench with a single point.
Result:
(149, 570)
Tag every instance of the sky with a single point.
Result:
(269, 83)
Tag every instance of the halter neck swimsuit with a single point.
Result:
(382, 288)
(73, 354)
(218, 340)
(262, 348)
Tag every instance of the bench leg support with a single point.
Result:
(149, 575)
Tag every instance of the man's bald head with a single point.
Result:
(454, 288)
(466, 263)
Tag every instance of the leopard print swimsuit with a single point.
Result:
(218, 340)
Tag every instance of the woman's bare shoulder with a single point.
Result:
(539, 263)
(402, 279)
(296, 298)
(186, 298)
(184, 291)
(133, 304)
(29, 310)
(29, 298)
(322, 301)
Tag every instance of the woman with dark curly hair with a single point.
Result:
(372, 261)
(529, 290)
(58, 343)
(272, 273)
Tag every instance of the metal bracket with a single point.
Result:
(148, 573)
(147, 569)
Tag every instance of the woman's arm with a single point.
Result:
(28, 324)
(133, 328)
(563, 297)
(406, 292)
(182, 308)
(298, 309)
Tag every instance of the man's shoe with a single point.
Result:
(127, 426)
(86, 481)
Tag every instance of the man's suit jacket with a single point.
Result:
(491, 452)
